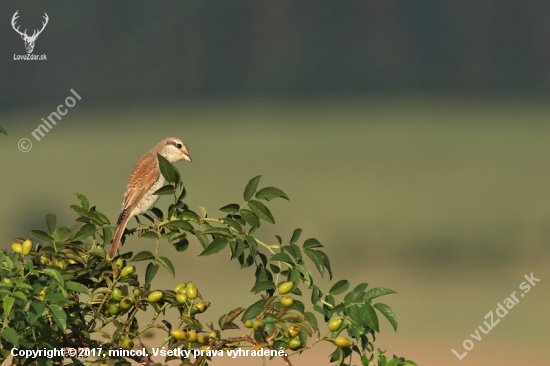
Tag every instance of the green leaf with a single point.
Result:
(339, 287)
(317, 260)
(55, 297)
(226, 321)
(218, 232)
(59, 316)
(84, 232)
(369, 317)
(167, 169)
(269, 193)
(395, 362)
(182, 245)
(150, 272)
(61, 234)
(252, 244)
(326, 260)
(107, 235)
(233, 224)
(158, 213)
(294, 250)
(57, 277)
(166, 190)
(36, 309)
(202, 211)
(254, 310)
(239, 248)
(180, 224)
(217, 244)
(231, 208)
(312, 243)
(388, 313)
(141, 256)
(306, 274)
(251, 188)
(167, 264)
(20, 295)
(150, 235)
(10, 335)
(357, 293)
(262, 286)
(261, 211)
(377, 292)
(250, 217)
(295, 236)
(281, 257)
(2, 131)
(40, 235)
(51, 222)
(7, 304)
(77, 287)
(84, 200)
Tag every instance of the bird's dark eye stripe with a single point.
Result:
(175, 144)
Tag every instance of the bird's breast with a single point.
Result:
(149, 199)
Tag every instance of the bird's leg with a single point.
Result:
(141, 227)
(156, 226)
(156, 221)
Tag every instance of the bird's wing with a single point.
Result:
(144, 175)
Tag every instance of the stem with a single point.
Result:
(311, 345)
(152, 322)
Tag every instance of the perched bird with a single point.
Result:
(145, 179)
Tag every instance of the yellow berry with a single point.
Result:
(177, 334)
(294, 344)
(192, 291)
(16, 247)
(127, 271)
(179, 288)
(155, 296)
(342, 342)
(335, 324)
(27, 247)
(287, 301)
(191, 336)
(286, 287)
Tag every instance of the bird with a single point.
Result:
(145, 179)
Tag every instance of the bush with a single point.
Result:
(63, 292)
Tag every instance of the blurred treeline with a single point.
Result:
(126, 50)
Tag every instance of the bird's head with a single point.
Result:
(174, 149)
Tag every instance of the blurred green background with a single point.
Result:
(412, 140)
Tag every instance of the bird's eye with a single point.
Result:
(179, 146)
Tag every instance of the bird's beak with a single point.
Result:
(187, 157)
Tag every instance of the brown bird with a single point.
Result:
(145, 179)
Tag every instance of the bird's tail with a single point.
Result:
(122, 221)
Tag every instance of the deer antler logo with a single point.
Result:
(29, 40)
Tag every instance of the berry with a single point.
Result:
(177, 334)
(335, 324)
(127, 271)
(27, 247)
(258, 325)
(294, 344)
(342, 342)
(192, 291)
(117, 295)
(287, 301)
(286, 287)
(155, 296)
